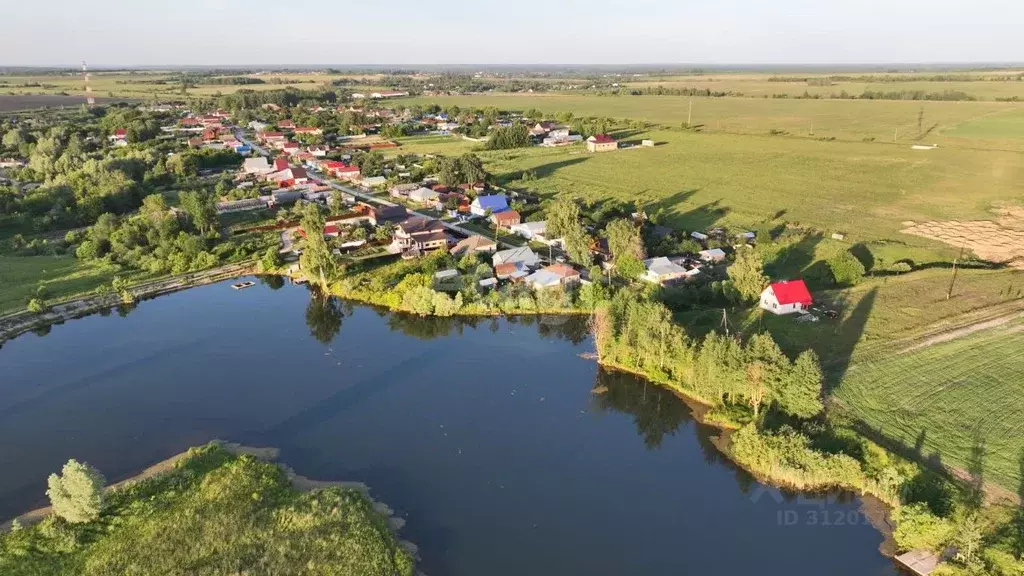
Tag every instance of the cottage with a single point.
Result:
(786, 297)
(601, 143)
(258, 165)
(393, 214)
(474, 243)
(286, 125)
(420, 234)
(280, 164)
(493, 203)
(308, 130)
(506, 219)
(698, 236)
(530, 230)
(272, 137)
(554, 275)
(346, 172)
(521, 255)
(424, 196)
(291, 176)
(119, 135)
(712, 255)
(402, 190)
(661, 270)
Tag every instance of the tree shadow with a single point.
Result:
(975, 495)
(671, 210)
(542, 171)
(794, 259)
(848, 334)
(862, 252)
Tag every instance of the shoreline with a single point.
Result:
(18, 323)
(268, 454)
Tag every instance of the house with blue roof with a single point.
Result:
(494, 203)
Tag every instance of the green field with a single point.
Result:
(950, 398)
(863, 189)
(61, 275)
(758, 85)
(841, 119)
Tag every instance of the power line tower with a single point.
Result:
(88, 89)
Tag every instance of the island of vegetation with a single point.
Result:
(216, 512)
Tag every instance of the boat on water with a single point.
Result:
(241, 285)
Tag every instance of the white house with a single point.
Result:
(712, 255)
(521, 255)
(530, 230)
(661, 270)
(787, 297)
(257, 165)
(424, 195)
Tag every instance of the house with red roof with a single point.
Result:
(601, 143)
(286, 125)
(291, 176)
(119, 134)
(308, 130)
(280, 164)
(786, 297)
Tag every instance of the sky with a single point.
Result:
(286, 32)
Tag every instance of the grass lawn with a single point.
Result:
(446, 145)
(948, 399)
(63, 276)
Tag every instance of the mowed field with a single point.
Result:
(877, 120)
(952, 399)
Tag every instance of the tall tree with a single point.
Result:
(624, 238)
(800, 394)
(472, 169)
(201, 209)
(316, 261)
(747, 275)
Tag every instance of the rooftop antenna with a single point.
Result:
(88, 89)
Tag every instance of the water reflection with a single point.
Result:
(324, 316)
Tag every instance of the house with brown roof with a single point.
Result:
(420, 233)
(554, 275)
(506, 219)
(473, 244)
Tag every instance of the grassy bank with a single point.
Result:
(215, 512)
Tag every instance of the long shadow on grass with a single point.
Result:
(847, 334)
(672, 209)
(794, 259)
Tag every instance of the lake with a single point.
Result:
(505, 451)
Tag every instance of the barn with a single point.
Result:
(786, 297)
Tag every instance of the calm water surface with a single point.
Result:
(488, 438)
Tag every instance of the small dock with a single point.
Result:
(920, 562)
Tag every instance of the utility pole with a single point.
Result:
(812, 127)
(689, 114)
(952, 281)
(725, 323)
(895, 134)
(920, 122)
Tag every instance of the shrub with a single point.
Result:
(36, 305)
(846, 268)
(77, 493)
